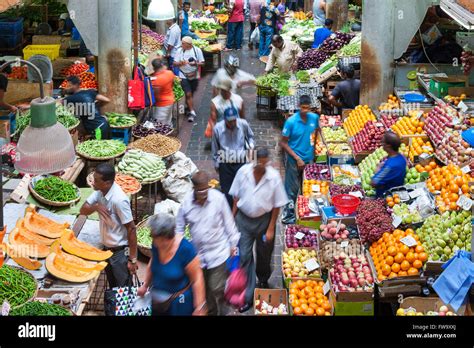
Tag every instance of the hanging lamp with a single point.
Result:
(160, 10)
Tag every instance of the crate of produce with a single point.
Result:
(334, 135)
(270, 302)
(51, 51)
(439, 85)
(11, 41)
(309, 211)
(315, 188)
(300, 237)
(329, 250)
(345, 174)
(121, 134)
(11, 26)
(300, 263)
(307, 289)
(432, 306)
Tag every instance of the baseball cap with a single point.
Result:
(231, 114)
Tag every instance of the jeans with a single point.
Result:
(235, 35)
(266, 34)
(292, 178)
(215, 279)
(252, 230)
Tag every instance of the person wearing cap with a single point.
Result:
(297, 143)
(232, 139)
(188, 60)
(224, 100)
(322, 33)
(284, 55)
(258, 194)
(231, 71)
(346, 94)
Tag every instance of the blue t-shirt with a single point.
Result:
(185, 26)
(320, 35)
(392, 174)
(299, 135)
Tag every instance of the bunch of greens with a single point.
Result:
(16, 286)
(101, 148)
(303, 76)
(283, 88)
(40, 309)
(56, 189)
(202, 44)
(204, 26)
(177, 90)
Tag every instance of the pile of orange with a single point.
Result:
(357, 119)
(408, 126)
(428, 168)
(419, 146)
(394, 259)
(307, 298)
(392, 200)
(392, 103)
(449, 183)
(308, 187)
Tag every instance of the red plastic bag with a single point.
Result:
(235, 288)
(136, 92)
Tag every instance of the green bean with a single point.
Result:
(101, 148)
(36, 308)
(56, 189)
(17, 286)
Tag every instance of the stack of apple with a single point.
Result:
(437, 120)
(412, 312)
(330, 121)
(339, 149)
(369, 138)
(332, 232)
(303, 206)
(454, 149)
(351, 273)
(367, 169)
(389, 119)
(334, 135)
(295, 263)
(319, 148)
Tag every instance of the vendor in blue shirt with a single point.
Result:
(298, 144)
(393, 170)
(322, 33)
(184, 21)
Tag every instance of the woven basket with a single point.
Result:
(146, 251)
(36, 288)
(90, 182)
(100, 158)
(166, 135)
(174, 148)
(52, 203)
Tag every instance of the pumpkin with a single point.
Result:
(24, 262)
(73, 246)
(30, 247)
(40, 224)
(34, 236)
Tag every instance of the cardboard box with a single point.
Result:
(273, 297)
(20, 91)
(439, 85)
(426, 304)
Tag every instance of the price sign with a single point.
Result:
(463, 106)
(409, 241)
(426, 148)
(299, 235)
(316, 188)
(323, 171)
(466, 169)
(332, 122)
(207, 13)
(425, 156)
(311, 265)
(379, 124)
(397, 220)
(465, 203)
(5, 308)
(346, 182)
(449, 231)
(455, 121)
(149, 125)
(356, 194)
(320, 200)
(326, 287)
(345, 244)
(416, 193)
(413, 207)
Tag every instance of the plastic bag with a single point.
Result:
(235, 288)
(255, 37)
(167, 206)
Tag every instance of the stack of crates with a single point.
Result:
(11, 32)
(266, 103)
(122, 134)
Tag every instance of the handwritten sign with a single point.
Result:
(464, 202)
(299, 235)
(397, 220)
(409, 241)
(326, 287)
(311, 265)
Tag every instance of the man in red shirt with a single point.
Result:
(162, 81)
(235, 26)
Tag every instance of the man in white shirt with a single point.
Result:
(172, 42)
(188, 60)
(284, 55)
(214, 235)
(224, 100)
(259, 194)
(231, 71)
(117, 229)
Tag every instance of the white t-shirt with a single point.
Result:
(222, 104)
(239, 76)
(173, 38)
(181, 55)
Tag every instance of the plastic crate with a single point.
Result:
(10, 41)
(51, 51)
(121, 134)
(11, 26)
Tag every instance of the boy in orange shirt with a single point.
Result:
(162, 81)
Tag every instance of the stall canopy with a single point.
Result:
(6, 4)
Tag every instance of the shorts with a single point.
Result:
(189, 85)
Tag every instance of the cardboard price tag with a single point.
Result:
(346, 182)
(311, 265)
(409, 241)
(379, 124)
(397, 220)
(426, 148)
(356, 194)
(299, 235)
(316, 188)
(345, 244)
(466, 169)
(425, 155)
(326, 287)
(456, 120)
(413, 207)
(323, 171)
(465, 203)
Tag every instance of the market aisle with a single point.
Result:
(267, 134)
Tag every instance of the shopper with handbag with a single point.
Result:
(189, 60)
(174, 271)
(214, 235)
(232, 143)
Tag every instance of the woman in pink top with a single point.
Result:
(235, 26)
(255, 7)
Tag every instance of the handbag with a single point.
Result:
(162, 307)
(136, 92)
(148, 89)
(119, 301)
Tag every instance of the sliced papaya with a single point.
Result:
(30, 247)
(34, 236)
(17, 252)
(72, 245)
(63, 270)
(74, 261)
(44, 226)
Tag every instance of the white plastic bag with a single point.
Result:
(255, 37)
(167, 206)
(178, 182)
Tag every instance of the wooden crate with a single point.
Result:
(273, 297)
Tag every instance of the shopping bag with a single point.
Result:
(235, 288)
(148, 88)
(119, 301)
(255, 37)
(136, 92)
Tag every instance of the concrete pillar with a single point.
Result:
(115, 44)
(337, 11)
(377, 66)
